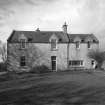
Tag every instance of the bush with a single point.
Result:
(3, 67)
(40, 69)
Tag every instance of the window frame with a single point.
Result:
(77, 45)
(92, 62)
(54, 62)
(22, 43)
(76, 63)
(22, 61)
(53, 44)
(88, 45)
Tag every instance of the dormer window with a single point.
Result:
(60, 40)
(22, 40)
(77, 44)
(22, 43)
(53, 44)
(82, 40)
(53, 41)
(29, 39)
(94, 40)
(88, 44)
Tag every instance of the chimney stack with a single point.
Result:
(64, 28)
(37, 29)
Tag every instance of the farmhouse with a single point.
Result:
(58, 50)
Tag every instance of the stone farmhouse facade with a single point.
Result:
(58, 50)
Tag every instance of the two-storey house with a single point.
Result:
(58, 50)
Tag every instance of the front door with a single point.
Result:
(93, 64)
(53, 63)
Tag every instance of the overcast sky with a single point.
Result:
(82, 16)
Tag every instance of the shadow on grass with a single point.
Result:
(68, 93)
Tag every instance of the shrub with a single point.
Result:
(3, 67)
(98, 56)
(40, 69)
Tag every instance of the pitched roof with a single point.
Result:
(37, 37)
(83, 37)
(44, 36)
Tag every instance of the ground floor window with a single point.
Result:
(53, 62)
(76, 62)
(22, 61)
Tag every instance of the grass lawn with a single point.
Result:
(61, 88)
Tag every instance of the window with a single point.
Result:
(88, 44)
(60, 39)
(53, 62)
(22, 43)
(82, 40)
(53, 44)
(29, 39)
(94, 40)
(22, 61)
(53, 58)
(92, 62)
(76, 63)
(77, 44)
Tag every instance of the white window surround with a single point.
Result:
(53, 44)
(89, 45)
(22, 43)
(22, 40)
(53, 40)
(77, 45)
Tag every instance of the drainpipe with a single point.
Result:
(66, 34)
(68, 52)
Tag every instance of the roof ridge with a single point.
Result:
(34, 31)
(80, 34)
(51, 31)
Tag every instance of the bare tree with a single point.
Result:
(3, 52)
(98, 56)
(34, 55)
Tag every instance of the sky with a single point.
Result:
(82, 16)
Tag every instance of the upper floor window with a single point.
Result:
(92, 62)
(82, 40)
(94, 41)
(88, 44)
(22, 40)
(77, 44)
(53, 44)
(22, 61)
(29, 39)
(23, 43)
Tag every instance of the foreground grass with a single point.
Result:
(66, 88)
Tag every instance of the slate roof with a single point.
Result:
(44, 36)
(83, 37)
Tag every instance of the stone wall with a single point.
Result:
(36, 54)
(82, 53)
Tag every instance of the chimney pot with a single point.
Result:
(37, 29)
(64, 28)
